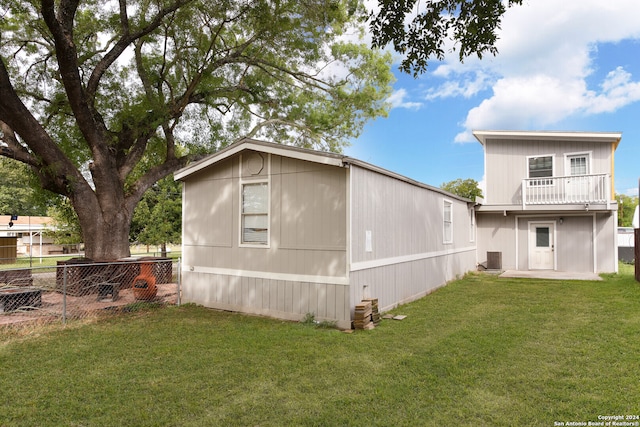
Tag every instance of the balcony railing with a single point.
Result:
(561, 190)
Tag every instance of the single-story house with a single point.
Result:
(281, 231)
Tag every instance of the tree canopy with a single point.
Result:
(17, 193)
(467, 188)
(470, 24)
(101, 99)
(157, 219)
(626, 208)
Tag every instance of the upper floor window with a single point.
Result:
(578, 164)
(447, 223)
(540, 167)
(255, 213)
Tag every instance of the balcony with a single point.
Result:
(567, 190)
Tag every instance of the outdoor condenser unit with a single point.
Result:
(494, 260)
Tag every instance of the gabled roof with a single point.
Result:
(264, 147)
(326, 158)
(606, 137)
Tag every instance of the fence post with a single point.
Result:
(64, 294)
(179, 279)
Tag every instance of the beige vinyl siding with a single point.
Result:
(307, 219)
(574, 240)
(575, 243)
(304, 267)
(283, 299)
(506, 164)
(404, 219)
(607, 253)
(407, 257)
(495, 233)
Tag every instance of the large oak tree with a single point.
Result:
(101, 99)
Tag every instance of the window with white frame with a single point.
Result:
(578, 164)
(472, 225)
(540, 167)
(255, 213)
(447, 223)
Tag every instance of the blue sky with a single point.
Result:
(571, 65)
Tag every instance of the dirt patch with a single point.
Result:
(53, 304)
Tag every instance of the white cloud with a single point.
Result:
(466, 88)
(547, 52)
(397, 100)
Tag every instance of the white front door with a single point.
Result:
(542, 246)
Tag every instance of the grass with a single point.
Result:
(481, 351)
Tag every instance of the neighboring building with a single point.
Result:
(549, 201)
(30, 234)
(281, 231)
(626, 244)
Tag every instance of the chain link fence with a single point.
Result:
(78, 288)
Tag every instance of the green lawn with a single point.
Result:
(481, 351)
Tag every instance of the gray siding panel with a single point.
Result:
(496, 234)
(408, 258)
(574, 240)
(276, 298)
(307, 218)
(401, 283)
(506, 164)
(403, 219)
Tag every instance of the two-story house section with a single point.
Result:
(548, 201)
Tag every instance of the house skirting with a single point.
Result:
(270, 295)
(400, 280)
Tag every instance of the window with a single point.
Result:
(540, 167)
(542, 237)
(578, 164)
(447, 224)
(255, 213)
(472, 225)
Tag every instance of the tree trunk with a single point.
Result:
(163, 250)
(105, 234)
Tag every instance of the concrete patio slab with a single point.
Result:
(550, 274)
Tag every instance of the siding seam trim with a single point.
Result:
(289, 277)
(364, 265)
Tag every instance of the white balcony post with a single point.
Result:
(607, 184)
(524, 194)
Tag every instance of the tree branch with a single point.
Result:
(126, 40)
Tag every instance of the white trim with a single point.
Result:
(554, 243)
(472, 225)
(259, 179)
(289, 277)
(615, 242)
(567, 165)
(483, 135)
(444, 240)
(384, 262)
(270, 148)
(517, 252)
(595, 242)
(553, 166)
(349, 218)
